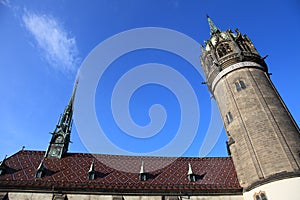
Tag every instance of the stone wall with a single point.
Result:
(264, 138)
(49, 196)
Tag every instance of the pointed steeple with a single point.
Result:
(66, 118)
(213, 28)
(60, 140)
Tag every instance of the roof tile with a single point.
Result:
(216, 175)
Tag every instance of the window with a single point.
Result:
(223, 49)
(263, 196)
(143, 177)
(229, 117)
(91, 175)
(171, 198)
(192, 177)
(59, 197)
(39, 174)
(117, 198)
(240, 85)
(260, 196)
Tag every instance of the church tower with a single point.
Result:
(60, 139)
(263, 138)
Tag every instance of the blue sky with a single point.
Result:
(43, 44)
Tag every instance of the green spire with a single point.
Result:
(213, 28)
(60, 140)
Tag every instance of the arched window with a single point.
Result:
(240, 85)
(263, 196)
(229, 117)
(260, 196)
(223, 49)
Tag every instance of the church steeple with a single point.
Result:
(213, 28)
(60, 140)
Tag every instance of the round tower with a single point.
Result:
(263, 138)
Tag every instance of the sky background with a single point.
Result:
(43, 43)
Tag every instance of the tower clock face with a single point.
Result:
(55, 151)
(59, 139)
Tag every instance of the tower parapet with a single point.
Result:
(225, 48)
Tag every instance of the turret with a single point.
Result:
(263, 138)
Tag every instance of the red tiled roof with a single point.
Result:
(214, 175)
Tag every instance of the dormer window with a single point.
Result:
(39, 174)
(40, 171)
(142, 174)
(143, 177)
(191, 176)
(223, 49)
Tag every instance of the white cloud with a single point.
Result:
(5, 2)
(59, 48)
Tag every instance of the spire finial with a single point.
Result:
(74, 92)
(190, 171)
(92, 167)
(142, 168)
(213, 28)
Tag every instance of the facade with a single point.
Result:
(263, 141)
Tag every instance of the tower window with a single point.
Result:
(263, 196)
(260, 196)
(229, 117)
(240, 85)
(223, 49)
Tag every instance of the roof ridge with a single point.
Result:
(131, 156)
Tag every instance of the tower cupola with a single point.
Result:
(225, 48)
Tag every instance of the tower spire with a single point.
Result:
(213, 28)
(60, 140)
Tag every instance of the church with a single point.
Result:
(263, 145)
